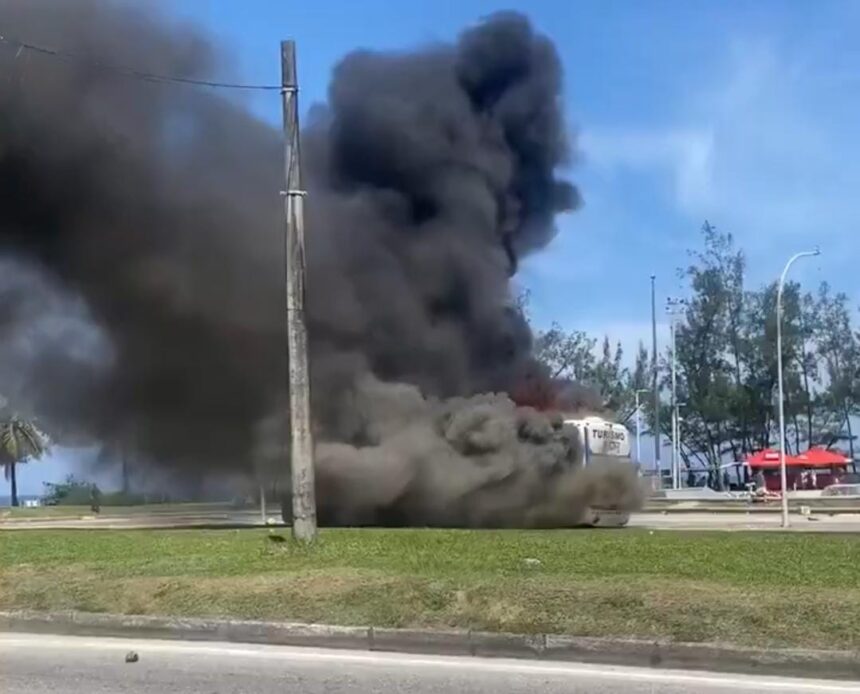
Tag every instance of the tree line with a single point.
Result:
(726, 366)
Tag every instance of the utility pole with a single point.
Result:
(657, 467)
(301, 437)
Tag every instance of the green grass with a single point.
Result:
(761, 589)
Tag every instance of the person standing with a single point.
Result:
(95, 498)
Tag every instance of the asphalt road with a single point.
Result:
(670, 520)
(76, 665)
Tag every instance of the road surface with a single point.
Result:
(38, 664)
(233, 518)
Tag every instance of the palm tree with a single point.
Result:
(20, 440)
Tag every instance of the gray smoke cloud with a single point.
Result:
(478, 461)
(155, 210)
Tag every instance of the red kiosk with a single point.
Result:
(813, 469)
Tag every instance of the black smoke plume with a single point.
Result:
(145, 221)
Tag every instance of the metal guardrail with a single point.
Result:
(833, 504)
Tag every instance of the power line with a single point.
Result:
(133, 72)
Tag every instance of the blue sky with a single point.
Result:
(739, 112)
(743, 113)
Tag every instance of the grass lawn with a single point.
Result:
(743, 588)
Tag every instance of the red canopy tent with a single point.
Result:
(814, 457)
(820, 463)
(822, 457)
(768, 459)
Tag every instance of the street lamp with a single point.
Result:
(678, 421)
(782, 474)
(636, 398)
(654, 385)
(674, 307)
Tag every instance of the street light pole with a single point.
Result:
(674, 409)
(678, 421)
(782, 473)
(638, 418)
(672, 308)
(654, 386)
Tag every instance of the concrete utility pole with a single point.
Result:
(657, 467)
(782, 473)
(301, 437)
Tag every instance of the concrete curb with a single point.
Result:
(690, 656)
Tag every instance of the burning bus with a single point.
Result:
(603, 440)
